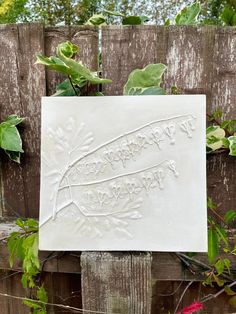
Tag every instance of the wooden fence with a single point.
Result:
(200, 60)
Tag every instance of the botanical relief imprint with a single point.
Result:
(99, 204)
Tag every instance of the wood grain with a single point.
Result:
(116, 283)
(22, 85)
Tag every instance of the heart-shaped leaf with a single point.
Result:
(145, 81)
(10, 138)
(189, 15)
(97, 20)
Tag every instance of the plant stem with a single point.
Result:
(72, 85)
(213, 296)
(217, 215)
(62, 306)
(197, 262)
(182, 295)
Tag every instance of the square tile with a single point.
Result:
(123, 173)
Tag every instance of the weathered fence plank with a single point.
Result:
(116, 283)
(22, 85)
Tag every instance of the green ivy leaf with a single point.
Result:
(54, 63)
(65, 89)
(232, 145)
(214, 136)
(96, 20)
(14, 119)
(144, 79)
(10, 138)
(230, 216)
(79, 68)
(68, 49)
(189, 15)
(147, 91)
(213, 245)
(134, 20)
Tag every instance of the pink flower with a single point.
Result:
(192, 308)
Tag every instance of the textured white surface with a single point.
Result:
(123, 173)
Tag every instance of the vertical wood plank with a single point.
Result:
(116, 282)
(22, 84)
(84, 36)
(125, 49)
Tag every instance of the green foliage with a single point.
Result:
(12, 10)
(217, 234)
(230, 216)
(213, 244)
(219, 12)
(78, 75)
(232, 145)
(66, 89)
(189, 15)
(24, 245)
(100, 20)
(134, 20)
(218, 239)
(10, 140)
(146, 81)
(97, 20)
(38, 306)
(214, 138)
(228, 16)
(68, 49)
(221, 135)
